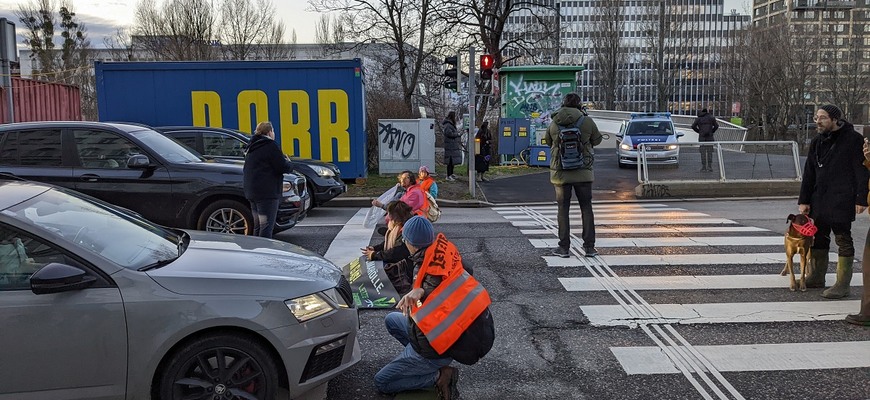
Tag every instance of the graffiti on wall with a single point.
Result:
(396, 139)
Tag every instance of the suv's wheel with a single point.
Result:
(311, 196)
(226, 216)
(220, 367)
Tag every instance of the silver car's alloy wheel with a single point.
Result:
(226, 216)
(227, 220)
(220, 367)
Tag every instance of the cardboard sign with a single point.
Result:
(370, 285)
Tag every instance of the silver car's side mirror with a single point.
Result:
(56, 278)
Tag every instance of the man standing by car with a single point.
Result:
(577, 180)
(833, 191)
(705, 125)
(264, 169)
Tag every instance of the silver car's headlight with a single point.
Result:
(671, 147)
(307, 307)
(323, 171)
(625, 146)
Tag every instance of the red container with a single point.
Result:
(41, 101)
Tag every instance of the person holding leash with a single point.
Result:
(833, 192)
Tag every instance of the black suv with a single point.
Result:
(140, 169)
(324, 179)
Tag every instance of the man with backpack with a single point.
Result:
(572, 135)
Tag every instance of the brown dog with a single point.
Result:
(795, 242)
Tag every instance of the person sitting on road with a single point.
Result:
(419, 365)
(393, 249)
(427, 183)
(413, 195)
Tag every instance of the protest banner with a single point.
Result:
(369, 284)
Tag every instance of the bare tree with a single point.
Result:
(244, 24)
(120, 45)
(843, 82)
(408, 27)
(70, 64)
(609, 49)
(178, 30)
(329, 33)
(670, 51)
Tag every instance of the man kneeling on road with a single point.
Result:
(421, 326)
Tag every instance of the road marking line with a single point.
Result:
(687, 282)
(697, 259)
(719, 313)
(554, 261)
(753, 357)
(650, 221)
(627, 215)
(626, 206)
(656, 229)
(345, 246)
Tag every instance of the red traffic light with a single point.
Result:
(486, 62)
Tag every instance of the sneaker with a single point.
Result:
(449, 178)
(447, 384)
(590, 252)
(454, 177)
(561, 252)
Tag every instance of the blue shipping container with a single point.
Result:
(317, 107)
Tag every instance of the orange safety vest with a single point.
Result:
(455, 303)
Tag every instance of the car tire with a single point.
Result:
(235, 363)
(310, 189)
(227, 216)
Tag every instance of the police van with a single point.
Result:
(657, 131)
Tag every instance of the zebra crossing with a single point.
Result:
(659, 239)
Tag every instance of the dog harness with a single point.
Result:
(807, 229)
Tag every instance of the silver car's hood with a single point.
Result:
(247, 266)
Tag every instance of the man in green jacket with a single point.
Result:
(579, 180)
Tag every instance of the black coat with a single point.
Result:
(452, 147)
(265, 166)
(835, 179)
(705, 125)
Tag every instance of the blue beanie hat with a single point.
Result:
(418, 232)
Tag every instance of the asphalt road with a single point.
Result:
(551, 345)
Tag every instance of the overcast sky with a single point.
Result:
(103, 18)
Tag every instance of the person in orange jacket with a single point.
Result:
(419, 365)
(427, 182)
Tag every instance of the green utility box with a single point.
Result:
(529, 94)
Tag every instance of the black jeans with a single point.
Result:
(842, 236)
(563, 200)
(265, 213)
(449, 166)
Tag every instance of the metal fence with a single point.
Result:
(733, 161)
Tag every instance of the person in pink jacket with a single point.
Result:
(413, 196)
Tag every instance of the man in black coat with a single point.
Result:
(833, 191)
(265, 166)
(705, 125)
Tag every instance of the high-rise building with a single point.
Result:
(656, 55)
(839, 34)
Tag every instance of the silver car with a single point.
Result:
(98, 303)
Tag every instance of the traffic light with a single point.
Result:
(452, 81)
(486, 64)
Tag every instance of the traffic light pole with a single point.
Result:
(472, 102)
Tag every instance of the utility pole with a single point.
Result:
(472, 102)
(8, 55)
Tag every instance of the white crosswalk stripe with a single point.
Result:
(660, 241)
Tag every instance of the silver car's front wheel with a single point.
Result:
(218, 367)
(226, 216)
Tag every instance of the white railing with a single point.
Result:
(735, 161)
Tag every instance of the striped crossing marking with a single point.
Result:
(683, 282)
(650, 221)
(674, 241)
(698, 259)
(354, 236)
(717, 313)
(594, 207)
(752, 357)
(608, 215)
(657, 229)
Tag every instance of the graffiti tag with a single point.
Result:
(656, 191)
(399, 140)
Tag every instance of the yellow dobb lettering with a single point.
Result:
(258, 99)
(334, 130)
(298, 132)
(206, 104)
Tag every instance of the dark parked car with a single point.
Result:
(139, 169)
(98, 303)
(324, 179)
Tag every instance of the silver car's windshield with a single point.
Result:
(650, 128)
(126, 240)
(171, 150)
